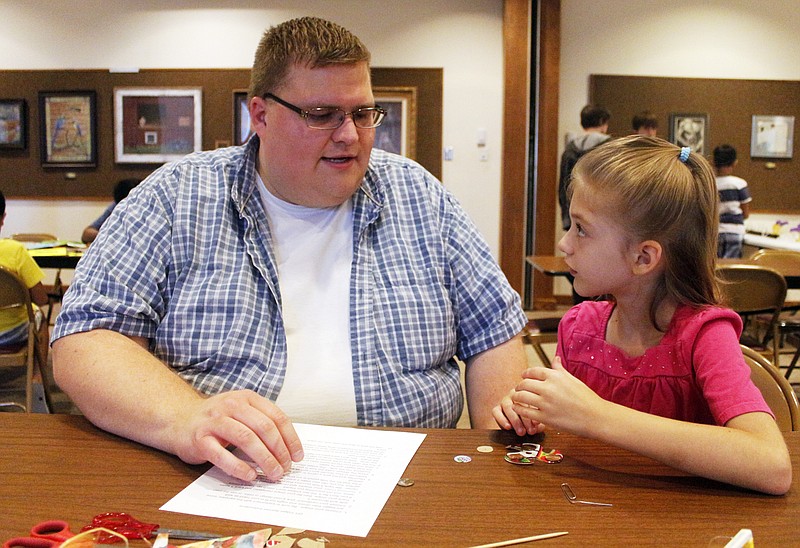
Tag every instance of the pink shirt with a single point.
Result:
(662, 381)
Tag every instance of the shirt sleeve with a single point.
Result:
(722, 374)
(119, 283)
(744, 195)
(489, 311)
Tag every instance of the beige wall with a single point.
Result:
(462, 37)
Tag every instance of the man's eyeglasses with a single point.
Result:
(333, 117)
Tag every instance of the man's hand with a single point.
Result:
(105, 373)
(243, 419)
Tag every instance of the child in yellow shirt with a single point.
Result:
(14, 257)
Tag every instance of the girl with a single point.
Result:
(657, 368)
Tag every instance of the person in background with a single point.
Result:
(303, 276)
(645, 123)
(14, 321)
(657, 369)
(121, 190)
(594, 121)
(734, 203)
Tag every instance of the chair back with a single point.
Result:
(779, 259)
(14, 293)
(33, 237)
(777, 391)
(753, 289)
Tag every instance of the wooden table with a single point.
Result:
(60, 466)
(554, 265)
(58, 257)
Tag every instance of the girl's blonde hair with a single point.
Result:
(659, 197)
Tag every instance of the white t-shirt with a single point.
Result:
(314, 252)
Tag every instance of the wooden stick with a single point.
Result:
(521, 540)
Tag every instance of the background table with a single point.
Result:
(60, 466)
(555, 265)
(57, 257)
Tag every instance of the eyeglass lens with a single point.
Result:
(328, 118)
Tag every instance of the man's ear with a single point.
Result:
(648, 256)
(257, 108)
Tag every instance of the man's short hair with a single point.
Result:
(644, 119)
(724, 156)
(123, 188)
(307, 41)
(594, 116)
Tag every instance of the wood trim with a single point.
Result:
(516, 62)
(517, 47)
(546, 177)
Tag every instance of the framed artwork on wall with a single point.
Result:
(157, 125)
(68, 128)
(772, 137)
(398, 132)
(241, 117)
(13, 124)
(689, 130)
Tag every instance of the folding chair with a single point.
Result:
(776, 390)
(753, 290)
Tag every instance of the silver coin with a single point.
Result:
(405, 482)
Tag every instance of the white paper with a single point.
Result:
(339, 487)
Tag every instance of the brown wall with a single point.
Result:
(729, 105)
(21, 172)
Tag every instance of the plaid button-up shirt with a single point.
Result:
(186, 262)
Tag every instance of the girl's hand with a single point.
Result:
(507, 418)
(555, 397)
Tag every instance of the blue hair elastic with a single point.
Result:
(684, 155)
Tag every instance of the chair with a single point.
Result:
(33, 237)
(783, 261)
(751, 290)
(777, 391)
(541, 331)
(56, 294)
(13, 293)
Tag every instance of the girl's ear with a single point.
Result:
(648, 257)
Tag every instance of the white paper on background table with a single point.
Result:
(339, 487)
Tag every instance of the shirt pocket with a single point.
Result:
(414, 318)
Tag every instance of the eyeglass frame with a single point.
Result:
(304, 114)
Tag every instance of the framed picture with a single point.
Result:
(157, 125)
(68, 128)
(241, 118)
(772, 137)
(689, 130)
(398, 132)
(13, 124)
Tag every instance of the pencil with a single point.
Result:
(521, 540)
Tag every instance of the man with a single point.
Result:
(302, 276)
(645, 123)
(594, 121)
